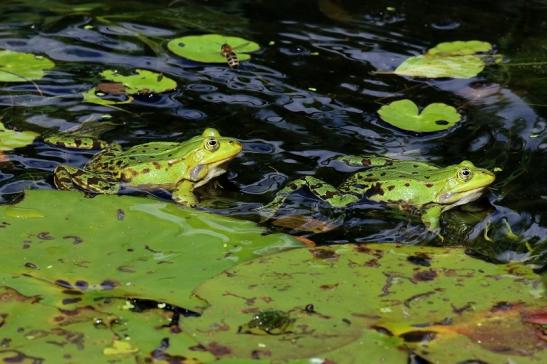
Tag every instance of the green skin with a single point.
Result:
(176, 167)
(417, 187)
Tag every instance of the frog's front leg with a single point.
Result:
(183, 193)
(69, 178)
(364, 160)
(431, 218)
(324, 191)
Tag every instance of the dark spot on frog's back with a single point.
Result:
(390, 188)
(330, 194)
(375, 189)
(429, 185)
(407, 184)
(146, 170)
(365, 162)
(156, 165)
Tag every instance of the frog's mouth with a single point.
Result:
(460, 198)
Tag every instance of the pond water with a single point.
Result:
(311, 93)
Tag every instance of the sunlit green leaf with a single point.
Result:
(22, 67)
(121, 246)
(206, 48)
(459, 48)
(404, 114)
(342, 298)
(451, 59)
(92, 97)
(141, 81)
(10, 139)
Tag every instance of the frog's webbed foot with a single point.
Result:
(323, 190)
(70, 178)
(183, 194)
(364, 161)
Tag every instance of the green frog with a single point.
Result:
(176, 167)
(416, 187)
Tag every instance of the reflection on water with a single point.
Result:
(309, 94)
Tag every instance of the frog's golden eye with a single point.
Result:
(465, 174)
(211, 144)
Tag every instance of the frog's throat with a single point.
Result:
(214, 170)
(459, 198)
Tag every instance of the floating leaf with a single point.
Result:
(459, 48)
(450, 59)
(342, 298)
(10, 139)
(120, 246)
(404, 114)
(35, 332)
(91, 96)
(206, 48)
(22, 67)
(141, 82)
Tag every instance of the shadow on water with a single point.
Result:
(311, 93)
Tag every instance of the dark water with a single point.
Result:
(311, 93)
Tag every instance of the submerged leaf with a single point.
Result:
(450, 59)
(206, 48)
(404, 114)
(22, 67)
(10, 139)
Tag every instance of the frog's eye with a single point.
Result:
(211, 144)
(465, 174)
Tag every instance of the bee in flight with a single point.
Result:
(228, 52)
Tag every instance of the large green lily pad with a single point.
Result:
(405, 115)
(206, 48)
(22, 67)
(358, 293)
(451, 59)
(34, 332)
(11, 139)
(120, 246)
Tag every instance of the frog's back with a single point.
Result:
(405, 182)
(114, 161)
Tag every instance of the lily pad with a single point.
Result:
(94, 97)
(140, 82)
(206, 48)
(22, 67)
(451, 59)
(55, 242)
(459, 48)
(344, 299)
(10, 139)
(34, 332)
(404, 114)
